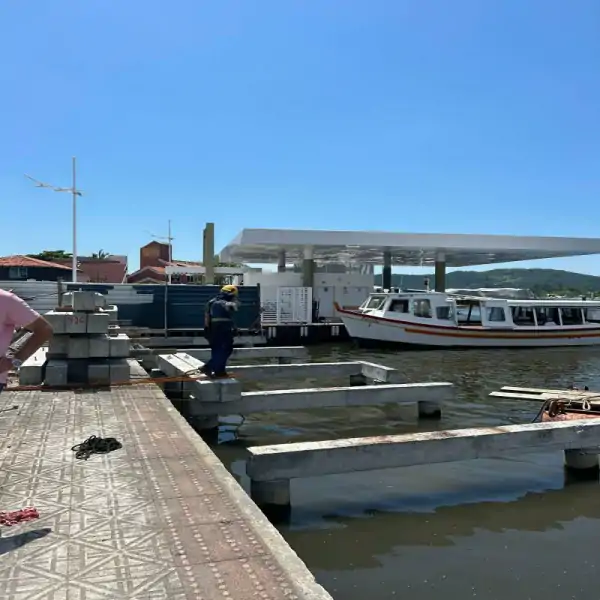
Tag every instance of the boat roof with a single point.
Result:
(410, 249)
(566, 302)
(558, 303)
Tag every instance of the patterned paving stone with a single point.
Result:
(151, 521)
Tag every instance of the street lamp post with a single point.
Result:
(74, 192)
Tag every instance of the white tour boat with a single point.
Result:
(448, 320)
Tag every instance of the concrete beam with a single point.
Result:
(298, 352)
(297, 370)
(380, 372)
(290, 461)
(311, 398)
(191, 341)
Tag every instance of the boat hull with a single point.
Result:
(370, 329)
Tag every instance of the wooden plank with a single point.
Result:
(513, 396)
(309, 459)
(532, 391)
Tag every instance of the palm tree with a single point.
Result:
(100, 255)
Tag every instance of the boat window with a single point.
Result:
(444, 313)
(495, 314)
(523, 316)
(422, 308)
(571, 316)
(375, 302)
(469, 314)
(400, 306)
(547, 315)
(592, 315)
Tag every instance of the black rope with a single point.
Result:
(95, 445)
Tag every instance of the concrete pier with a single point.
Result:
(161, 518)
(580, 440)
(223, 397)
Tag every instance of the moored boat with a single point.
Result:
(447, 320)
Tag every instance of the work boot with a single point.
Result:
(205, 371)
(221, 375)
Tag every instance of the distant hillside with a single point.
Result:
(540, 281)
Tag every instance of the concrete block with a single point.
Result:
(99, 373)
(56, 373)
(113, 313)
(84, 301)
(210, 394)
(99, 346)
(32, 370)
(59, 345)
(79, 347)
(97, 323)
(119, 370)
(119, 346)
(57, 320)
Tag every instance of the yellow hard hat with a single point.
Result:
(229, 289)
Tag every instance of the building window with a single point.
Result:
(17, 272)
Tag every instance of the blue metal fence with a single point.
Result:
(144, 304)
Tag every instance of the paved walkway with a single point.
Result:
(159, 519)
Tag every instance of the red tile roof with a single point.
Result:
(19, 260)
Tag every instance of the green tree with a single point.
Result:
(52, 255)
(100, 255)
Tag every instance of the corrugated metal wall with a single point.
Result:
(144, 305)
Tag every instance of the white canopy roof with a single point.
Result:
(414, 249)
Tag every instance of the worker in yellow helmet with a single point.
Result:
(220, 330)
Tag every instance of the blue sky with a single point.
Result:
(457, 116)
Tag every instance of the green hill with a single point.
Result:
(540, 281)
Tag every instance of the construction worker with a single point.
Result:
(220, 330)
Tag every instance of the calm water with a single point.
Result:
(486, 529)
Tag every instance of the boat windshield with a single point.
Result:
(374, 302)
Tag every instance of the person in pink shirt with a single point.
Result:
(17, 314)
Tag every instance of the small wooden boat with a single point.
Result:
(557, 405)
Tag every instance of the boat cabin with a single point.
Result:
(447, 309)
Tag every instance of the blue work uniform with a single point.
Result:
(220, 330)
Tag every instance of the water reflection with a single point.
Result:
(485, 529)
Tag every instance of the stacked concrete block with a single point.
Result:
(87, 346)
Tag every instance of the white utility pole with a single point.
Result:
(74, 192)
